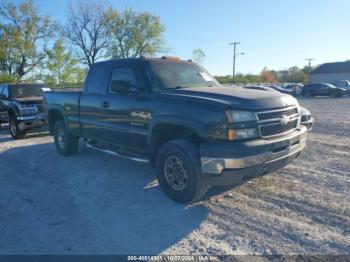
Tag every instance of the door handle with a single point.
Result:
(105, 104)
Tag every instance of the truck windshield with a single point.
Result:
(166, 75)
(19, 91)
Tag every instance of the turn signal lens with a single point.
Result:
(231, 134)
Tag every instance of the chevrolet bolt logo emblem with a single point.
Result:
(284, 120)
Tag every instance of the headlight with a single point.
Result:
(240, 116)
(241, 134)
(28, 109)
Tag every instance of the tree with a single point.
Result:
(198, 56)
(267, 76)
(24, 36)
(61, 64)
(293, 75)
(86, 30)
(134, 34)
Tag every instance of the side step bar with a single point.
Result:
(142, 160)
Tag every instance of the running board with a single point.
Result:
(142, 160)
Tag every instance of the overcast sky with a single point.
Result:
(273, 33)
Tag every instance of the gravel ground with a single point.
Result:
(93, 203)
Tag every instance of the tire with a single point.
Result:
(193, 187)
(307, 94)
(65, 143)
(333, 95)
(15, 132)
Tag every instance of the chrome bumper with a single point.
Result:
(30, 118)
(215, 166)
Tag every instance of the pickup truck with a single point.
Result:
(21, 107)
(176, 116)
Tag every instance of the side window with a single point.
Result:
(97, 79)
(5, 92)
(123, 81)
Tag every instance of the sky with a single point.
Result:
(276, 34)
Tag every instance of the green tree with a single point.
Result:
(61, 64)
(293, 75)
(134, 34)
(24, 36)
(198, 56)
(86, 31)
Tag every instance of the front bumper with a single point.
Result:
(30, 122)
(228, 163)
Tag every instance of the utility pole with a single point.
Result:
(234, 56)
(309, 60)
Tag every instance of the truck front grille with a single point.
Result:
(278, 122)
(40, 108)
(276, 114)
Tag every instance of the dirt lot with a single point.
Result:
(93, 203)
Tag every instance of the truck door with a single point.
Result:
(126, 116)
(91, 108)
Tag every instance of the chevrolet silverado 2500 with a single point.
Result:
(21, 107)
(175, 115)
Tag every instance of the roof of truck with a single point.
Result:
(143, 59)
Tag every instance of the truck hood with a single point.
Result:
(234, 97)
(29, 100)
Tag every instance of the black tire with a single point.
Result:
(65, 143)
(307, 94)
(15, 131)
(334, 95)
(195, 186)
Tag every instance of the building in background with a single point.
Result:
(334, 73)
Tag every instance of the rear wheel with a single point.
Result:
(334, 95)
(178, 171)
(15, 131)
(66, 144)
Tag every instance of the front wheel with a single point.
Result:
(66, 144)
(15, 131)
(178, 171)
(334, 95)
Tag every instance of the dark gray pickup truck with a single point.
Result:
(175, 115)
(21, 107)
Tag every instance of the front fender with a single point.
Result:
(193, 124)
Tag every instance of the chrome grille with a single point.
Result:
(278, 122)
(40, 108)
(272, 130)
(276, 114)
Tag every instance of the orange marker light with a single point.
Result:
(231, 134)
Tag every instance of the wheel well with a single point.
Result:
(11, 112)
(53, 116)
(163, 133)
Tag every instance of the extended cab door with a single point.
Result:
(127, 115)
(91, 107)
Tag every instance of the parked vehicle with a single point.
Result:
(345, 84)
(21, 107)
(175, 115)
(281, 89)
(306, 118)
(295, 89)
(322, 89)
